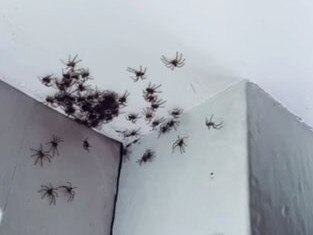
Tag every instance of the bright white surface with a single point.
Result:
(175, 194)
(269, 42)
(280, 156)
(24, 125)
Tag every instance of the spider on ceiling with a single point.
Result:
(86, 145)
(175, 112)
(156, 122)
(148, 156)
(139, 73)
(71, 62)
(123, 99)
(54, 144)
(152, 89)
(177, 62)
(148, 114)
(180, 143)
(40, 154)
(157, 104)
(47, 80)
(69, 190)
(133, 117)
(210, 124)
(50, 192)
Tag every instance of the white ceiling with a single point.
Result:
(269, 42)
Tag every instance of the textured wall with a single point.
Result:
(175, 193)
(24, 124)
(281, 163)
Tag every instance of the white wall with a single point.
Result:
(281, 163)
(175, 194)
(24, 124)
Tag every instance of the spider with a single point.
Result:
(50, 192)
(46, 80)
(150, 98)
(180, 143)
(40, 155)
(132, 133)
(210, 123)
(123, 99)
(69, 190)
(54, 143)
(133, 117)
(175, 112)
(126, 151)
(148, 114)
(164, 128)
(156, 122)
(86, 145)
(178, 61)
(148, 156)
(157, 104)
(172, 123)
(71, 63)
(139, 74)
(152, 89)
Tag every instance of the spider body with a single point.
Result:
(148, 156)
(157, 104)
(50, 192)
(123, 99)
(86, 145)
(71, 62)
(139, 73)
(132, 133)
(47, 80)
(176, 112)
(148, 114)
(164, 128)
(133, 117)
(173, 123)
(150, 98)
(180, 143)
(69, 190)
(210, 124)
(152, 89)
(177, 62)
(40, 155)
(54, 144)
(156, 122)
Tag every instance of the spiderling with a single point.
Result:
(54, 144)
(210, 124)
(180, 143)
(86, 145)
(177, 62)
(40, 154)
(50, 192)
(133, 117)
(148, 156)
(139, 73)
(69, 190)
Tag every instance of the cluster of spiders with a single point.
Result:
(51, 193)
(40, 154)
(86, 105)
(180, 143)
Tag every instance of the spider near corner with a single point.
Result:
(148, 114)
(210, 124)
(69, 190)
(133, 117)
(40, 154)
(54, 144)
(140, 74)
(71, 63)
(122, 100)
(86, 145)
(179, 143)
(50, 192)
(177, 62)
(148, 156)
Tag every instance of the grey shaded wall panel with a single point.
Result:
(280, 163)
(175, 194)
(94, 173)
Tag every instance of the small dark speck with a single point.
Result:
(212, 175)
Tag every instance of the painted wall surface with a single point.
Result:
(24, 124)
(175, 193)
(281, 163)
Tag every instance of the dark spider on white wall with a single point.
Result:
(210, 124)
(177, 62)
(180, 143)
(139, 73)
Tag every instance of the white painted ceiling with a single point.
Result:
(269, 42)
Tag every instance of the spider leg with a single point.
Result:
(46, 193)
